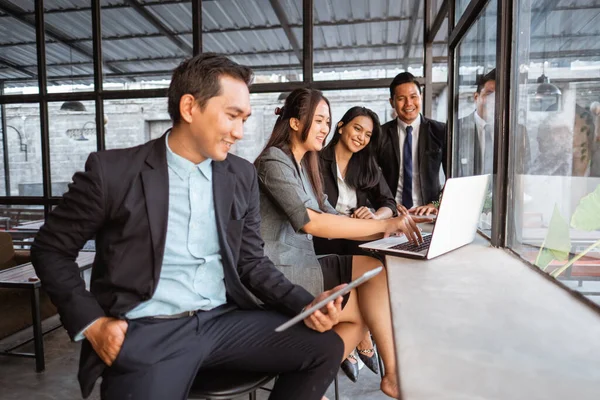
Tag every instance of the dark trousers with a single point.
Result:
(160, 358)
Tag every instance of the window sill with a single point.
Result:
(478, 323)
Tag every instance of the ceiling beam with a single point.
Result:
(439, 20)
(414, 15)
(211, 31)
(164, 30)
(285, 25)
(18, 68)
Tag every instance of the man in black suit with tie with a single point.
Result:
(412, 149)
(178, 254)
(475, 134)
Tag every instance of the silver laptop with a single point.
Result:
(455, 225)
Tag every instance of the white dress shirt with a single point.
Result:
(347, 195)
(416, 182)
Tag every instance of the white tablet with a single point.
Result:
(304, 314)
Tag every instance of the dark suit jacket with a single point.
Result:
(432, 156)
(467, 141)
(376, 197)
(122, 199)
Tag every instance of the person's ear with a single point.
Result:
(339, 127)
(475, 96)
(295, 124)
(187, 102)
(392, 102)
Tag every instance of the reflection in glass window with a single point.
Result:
(473, 140)
(554, 219)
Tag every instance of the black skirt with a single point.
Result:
(336, 269)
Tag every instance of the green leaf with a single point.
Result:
(587, 214)
(557, 243)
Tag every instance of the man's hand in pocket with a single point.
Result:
(106, 336)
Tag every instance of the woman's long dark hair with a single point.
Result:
(363, 172)
(300, 104)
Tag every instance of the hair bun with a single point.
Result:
(279, 110)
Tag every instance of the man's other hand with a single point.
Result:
(324, 319)
(106, 336)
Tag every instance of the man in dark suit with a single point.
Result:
(412, 149)
(177, 228)
(475, 134)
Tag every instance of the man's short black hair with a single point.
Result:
(199, 76)
(483, 79)
(401, 78)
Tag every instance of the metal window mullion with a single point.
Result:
(502, 122)
(307, 41)
(427, 59)
(197, 26)
(452, 107)
(98, 77)
(40, 37)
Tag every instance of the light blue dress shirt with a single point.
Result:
(191, 277)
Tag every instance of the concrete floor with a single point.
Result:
(19, 381)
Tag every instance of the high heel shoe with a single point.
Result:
(369, 357)
(350, 369)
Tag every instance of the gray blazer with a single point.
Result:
(285, 194)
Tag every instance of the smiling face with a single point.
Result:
(407, 102)
(214, 129)
(356, 134)
(319, 129)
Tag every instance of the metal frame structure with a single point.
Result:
(45, 35)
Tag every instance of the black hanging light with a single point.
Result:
(72, 106)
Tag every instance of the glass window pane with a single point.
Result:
(141, 47)
(473, 139)
(72, 129)
(69, 50)
(375, 39)
(21, 150)
(262, 34)
(131, 122)
(555, 152)
(18, 58)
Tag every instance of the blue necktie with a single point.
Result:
(407, 200)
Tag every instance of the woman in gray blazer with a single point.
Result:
(294, 208)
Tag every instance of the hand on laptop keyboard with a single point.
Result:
(406, 224)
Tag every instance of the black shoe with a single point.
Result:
(369, 357)
(350, 369)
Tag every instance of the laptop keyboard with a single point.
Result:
(408, 246)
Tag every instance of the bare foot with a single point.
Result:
(389, 386)
(324, 398)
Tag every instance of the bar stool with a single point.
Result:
(227, 384)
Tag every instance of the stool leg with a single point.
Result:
(38, 338)
(252, 395)
(337, 389)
